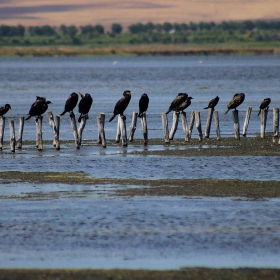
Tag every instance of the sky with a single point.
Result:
(126, 12)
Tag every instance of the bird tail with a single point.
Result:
(28, 118)
(259, 112)
(80, 118)
(112, 118)
(168, 112)
(62, 113)
(140, 115)
(206, 107)
(226, 111)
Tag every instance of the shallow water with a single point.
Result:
(157, 233)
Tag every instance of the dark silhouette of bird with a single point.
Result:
(264, 104)
(70, 103)
(38, 108)
(84, 105)
(180, 98)
(5, 109)
(237, 99)
(213, 103)
(122, 104)
(185, 104)
(143, 104)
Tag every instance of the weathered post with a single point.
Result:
(118, 136)
(74, 128)
(81, 129)
(235, 118)
(55, 128)
(275, 124)
(101, 133)
(198, 125)
(2, 129)
(247, 119)
(133, 126)
(174, 125)
(191, 123)
(263, 121)
(20, 132)
(208, 122)
(185, 126)
(39, 133)
(144, 128)
(217, 124)
(165, 128)
(123, 130)
(12, 135)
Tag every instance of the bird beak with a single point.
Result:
(82, 95)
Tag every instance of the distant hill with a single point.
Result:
(126, 12)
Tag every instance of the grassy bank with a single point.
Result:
(151, 50)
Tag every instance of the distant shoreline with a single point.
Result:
(162, 50)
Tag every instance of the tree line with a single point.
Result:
(202, 32)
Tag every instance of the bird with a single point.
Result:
(264, 104)
(38, 108)
(70, 103)
(237, 99)
(185, 104)
(84, 105)
(143, 104)
(180, 98)
(122, 104)
(5, 109)
(213, 103)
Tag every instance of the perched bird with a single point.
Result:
(213, 103)
(264, 104)
(70, 103)
(38, 108)
(237, 99)
(84, 105)
(5, 109)
(185, 104)
(143, 104)
(180, 98)
(122, 104)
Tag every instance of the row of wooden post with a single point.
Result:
(195, 115)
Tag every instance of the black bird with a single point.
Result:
(143, 104)
(38, 108)
(5, 109)
(180, 98)
(84, 105)
(185, 104)
(264, 104)
(122, 104)
(70, 103)
(237, 99)
(213, 103)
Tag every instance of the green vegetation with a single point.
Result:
(231, 33)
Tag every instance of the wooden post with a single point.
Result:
(216, 118)
(39, 133)
(133, 126)
(20, 132)
(275, 125)
(191, 123)
(55, 127)
(2, 129)
(81, 129)
(198, 125)
(144, 128)
(101, 133)
(235, 118)
(263, 121)
(123, 130)
(74, 128)
(247, 119)
(165, 128)
(12, 135)
(174, 125)
(118, 136)
(185, 126)
(208, 122)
